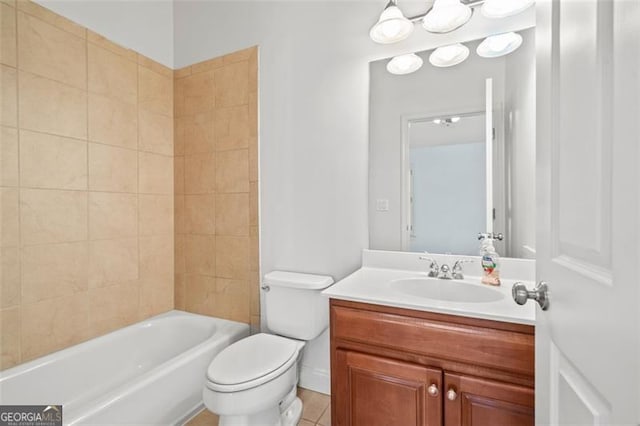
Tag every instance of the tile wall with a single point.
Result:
(87, 186)
(216, 187)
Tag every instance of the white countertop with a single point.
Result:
(371, 284)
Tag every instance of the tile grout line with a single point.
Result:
(17, 100)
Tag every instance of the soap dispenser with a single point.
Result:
(490, 260)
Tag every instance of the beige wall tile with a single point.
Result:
(52, 107)
(232, 299)
(156, 259)
(8, 35)
(48, 161)
(156, 214)
(178, 214)
(54, 324)
(112, 75)
(105, 43)
(232, 214)
(232, 128)
(232, 171)
(112, 307)
(232, 257)
(254, 249)
(199, 133)
(254, 328)
(51, 52)
(179, 127)
(200, 295)
(9, 217)
(200, 174)
(52, 216)
(207, 65)
(178, 175)
(239, 55)
(112, 168)
(156, 133)
(199, 254)
(254, 292)
(112, 215)
(9, 337)
(154, 66)
(253, 115)
(10, 290)
(113, 122)
(156, 174)
(253, 160)
(200, 214)
(54, 270)
(52, 18)
(179, 291)
(182, 72)
(195, 93)
(8, 156)
(253, 203)
(156, 297)
(155, 92)
(9, 94)
(232, 84)
(113, 262)
(178, 254)
(253, 72)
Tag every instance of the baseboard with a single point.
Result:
(315, 379)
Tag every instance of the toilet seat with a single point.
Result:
(251, 362)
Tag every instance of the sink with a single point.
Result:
(447, 290)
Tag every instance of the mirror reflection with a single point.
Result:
(428, 164)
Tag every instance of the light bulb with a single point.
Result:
(504, 8)
(455, 119)
(404, 64)
(447, 56)
(446, 16)
(499, 45)
(391, 27)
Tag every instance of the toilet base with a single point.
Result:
(287, 413)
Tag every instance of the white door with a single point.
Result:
(588, 191)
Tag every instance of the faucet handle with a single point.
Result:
(433, 267)
(457, 268)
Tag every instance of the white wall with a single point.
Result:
(145, 26)
(520, 129)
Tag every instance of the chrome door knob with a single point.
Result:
(433, 390)
(539, 294)
(451, 395)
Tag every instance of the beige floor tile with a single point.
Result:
(314, 404)
(205, 417)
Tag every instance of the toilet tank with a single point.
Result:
(294, 305)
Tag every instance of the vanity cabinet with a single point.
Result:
(392, 366)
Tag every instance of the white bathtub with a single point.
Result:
(151, 373)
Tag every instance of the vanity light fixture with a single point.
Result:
(499, 45)
(446, 16)
(404, 64)
(448, 56)
(504, 8)
(392, 26)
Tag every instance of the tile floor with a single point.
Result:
(316, 411)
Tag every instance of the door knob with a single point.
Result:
(451, 395)
(433, 390)
(539, 294)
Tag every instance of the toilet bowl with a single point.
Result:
(254, 381)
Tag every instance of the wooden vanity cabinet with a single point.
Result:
(392, 366)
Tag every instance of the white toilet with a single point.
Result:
(254, 381)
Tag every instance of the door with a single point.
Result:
(473, 401)
(587, 342)
(376, 391)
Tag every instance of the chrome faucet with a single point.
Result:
(457, 268)
(433, 266)
(444, 272)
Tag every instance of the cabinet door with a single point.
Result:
(376, 391)
(472, 401)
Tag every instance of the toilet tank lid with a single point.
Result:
(298, 280)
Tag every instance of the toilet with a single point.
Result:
(254, 381)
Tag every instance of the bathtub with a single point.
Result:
(151, 372)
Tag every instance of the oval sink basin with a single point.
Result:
(446, 290)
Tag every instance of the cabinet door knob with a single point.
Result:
(451, 395)
(433, 390)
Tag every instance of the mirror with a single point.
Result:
(429, 134)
